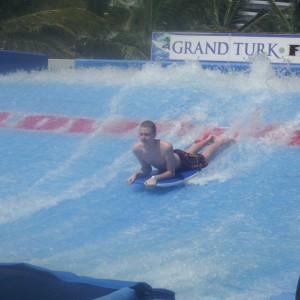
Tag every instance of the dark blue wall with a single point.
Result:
(11, 61)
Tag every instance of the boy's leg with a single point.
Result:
(212, 148)
(195, 148)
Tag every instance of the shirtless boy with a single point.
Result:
(160, 154)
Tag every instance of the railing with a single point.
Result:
(253, 7)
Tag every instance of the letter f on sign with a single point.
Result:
(294, 50)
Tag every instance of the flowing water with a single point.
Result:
(231, 233)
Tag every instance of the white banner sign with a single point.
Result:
(225, 47)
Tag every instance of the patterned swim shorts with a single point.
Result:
(190, 161)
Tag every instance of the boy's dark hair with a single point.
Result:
(149, 124)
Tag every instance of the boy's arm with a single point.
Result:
(170, 172)
(145, 169)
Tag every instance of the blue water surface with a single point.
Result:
(231, 233)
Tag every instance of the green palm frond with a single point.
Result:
(292, 14)
(284, 21)
(51, 45)
(226, 12)
(275, 20)
(63, 27)
(75, 19)
(260, 23)
(123, 28)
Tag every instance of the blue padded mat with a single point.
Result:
(179, 178)
(27, 282)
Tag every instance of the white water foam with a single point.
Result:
(172, 244)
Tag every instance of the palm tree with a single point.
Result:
(122, 28)
(132, 25)
(276, 19)
(55, 27)
(222, 15)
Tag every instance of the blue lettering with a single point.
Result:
(272, 51)
(198, 48)
(238, 48)
(225, 49)
(179, 49)
(247, 51)
(260, 48)
(209, 47)
(222, 48)
(255, 48)
(187, 47)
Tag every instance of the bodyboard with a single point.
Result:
(179, 178)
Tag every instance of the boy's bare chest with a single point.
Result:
(154, 158)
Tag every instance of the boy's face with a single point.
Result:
(146, 134)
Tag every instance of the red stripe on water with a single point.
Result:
(42, 122)
(119, 127)
(79, 125)
(66, 124)
(3, 117)
(295, 140)
(82, 125)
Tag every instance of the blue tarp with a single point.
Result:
(27, 282)
(11, 61)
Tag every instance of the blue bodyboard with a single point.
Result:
(179, 178)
